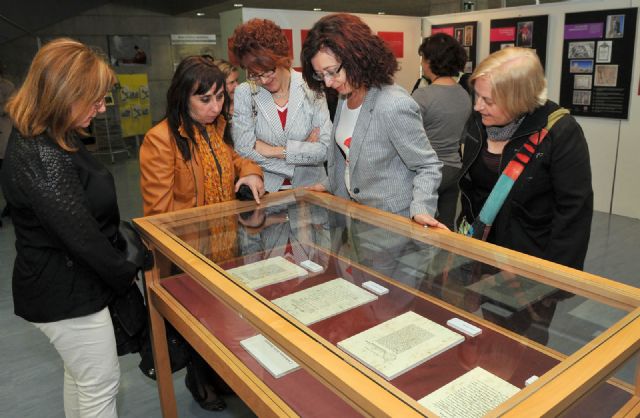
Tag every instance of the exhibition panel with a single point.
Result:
(311, 305)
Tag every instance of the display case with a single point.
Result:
(450, 327)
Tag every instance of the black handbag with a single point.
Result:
(128, 311)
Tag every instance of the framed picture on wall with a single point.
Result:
(129, 50)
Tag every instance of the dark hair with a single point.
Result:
(365, 57)
(259, 44)
(194, 75)
(445, 54)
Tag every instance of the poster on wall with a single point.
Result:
(129, 50)
(185, 45)
(524, 31)
(395, 42)
(134, 104)
(597, 62)
(466, 34)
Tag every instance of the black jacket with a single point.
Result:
(548, 212)
(66, 218)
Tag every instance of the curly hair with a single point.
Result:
(445, 54)
(259, 44)
(365, 57)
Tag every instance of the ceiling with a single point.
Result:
(18, 18)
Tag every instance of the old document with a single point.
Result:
(324, 300)
(471, 395)
(400, 344)
(267, 272)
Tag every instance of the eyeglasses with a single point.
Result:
(266, 75)
(329, 74)
(98, 105)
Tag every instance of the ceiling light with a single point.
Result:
(317, 9)
(381, 13)
(237, 5)
(200, 14)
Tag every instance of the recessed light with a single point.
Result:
(200, 14)
(381, 13)
(317, 9)
(237, 5)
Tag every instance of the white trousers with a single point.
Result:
(87, 346)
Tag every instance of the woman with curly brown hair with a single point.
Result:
(278, 121)
(381, 156)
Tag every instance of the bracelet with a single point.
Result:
(284, 153)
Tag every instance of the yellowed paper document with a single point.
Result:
(324, 300)
(471, 395)
(400, 344)
(267, 272)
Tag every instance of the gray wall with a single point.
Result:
(93, 26)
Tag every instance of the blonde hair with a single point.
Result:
(65, 77)
(226, 67)
(517, 80)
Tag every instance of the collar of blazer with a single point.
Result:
(298, 93)
(359, 136)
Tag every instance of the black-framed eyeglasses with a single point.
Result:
(329, 74)
(261, 76)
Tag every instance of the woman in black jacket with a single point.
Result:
(64, 209)
(548, 211)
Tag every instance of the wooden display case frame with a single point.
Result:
(369, 394)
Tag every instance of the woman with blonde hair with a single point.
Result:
(231, 81)
(519, 139)
(64, 209)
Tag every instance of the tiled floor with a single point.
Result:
(31, 371)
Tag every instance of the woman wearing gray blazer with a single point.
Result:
(381, 156)
(278, 121)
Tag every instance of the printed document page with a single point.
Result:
(400, 344)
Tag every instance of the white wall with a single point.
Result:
(614, 144)
(297, 20)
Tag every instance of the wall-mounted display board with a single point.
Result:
(466, 34)
(135, 107)
(597, 62)
(524, 31)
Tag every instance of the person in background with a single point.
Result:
(66, 218)
(380, 155)
(187, 161)
(548, 211)
(279, 122)
(231, 73)
(445, 107)
(6, 91)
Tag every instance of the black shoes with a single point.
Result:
(202, 393)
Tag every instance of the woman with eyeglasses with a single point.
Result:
(380, 156)
(278, 121)
(65, 213)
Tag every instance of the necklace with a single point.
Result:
(282, 94)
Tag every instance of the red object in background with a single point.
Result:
(303, 35)
(503, 34)
(288, 33)
(395, 40)
(448, 30)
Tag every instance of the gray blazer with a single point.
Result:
(304, 162)
(392, 165)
